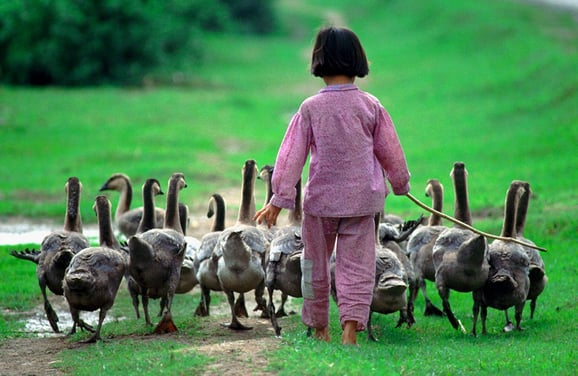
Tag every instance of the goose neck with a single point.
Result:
(512, 198)
(219, 204)
(125, 199)
(436, 192)
(522, 209)
(147, 221)
(106, 236)
(72, 220)
(247, 207)
(295, 216)
(172, 206)
(462, 205)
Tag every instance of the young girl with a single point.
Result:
(353, 148)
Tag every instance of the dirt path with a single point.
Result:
(239, 353)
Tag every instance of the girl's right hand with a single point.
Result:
(268, 214)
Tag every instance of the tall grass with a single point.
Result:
(492, 84)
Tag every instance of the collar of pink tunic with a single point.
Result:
(339, 87)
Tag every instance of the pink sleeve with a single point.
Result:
(389, 152)
(289, 164)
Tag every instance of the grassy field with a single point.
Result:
(492, 84)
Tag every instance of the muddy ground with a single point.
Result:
(238, 351)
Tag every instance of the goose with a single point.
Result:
(242, 251)
(284, 262)
(508, 282)
(392, 279)
(156, 257)
(126, 219)
(92, 280)
(460, 256)
(204, 263)
(150, 189)
(57, 250)
(393, 239)
(420, 246)
(188, 278)
(538, 277)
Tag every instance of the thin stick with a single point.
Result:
(465, 225)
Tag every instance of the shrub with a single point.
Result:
(94, 42)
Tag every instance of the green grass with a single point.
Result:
(492, 84)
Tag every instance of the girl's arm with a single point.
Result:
(388, 150)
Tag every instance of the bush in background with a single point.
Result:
(95, 42)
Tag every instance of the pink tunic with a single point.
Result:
(354, 148)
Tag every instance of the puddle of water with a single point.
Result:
(38, 324)
(26, 233)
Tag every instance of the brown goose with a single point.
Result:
(242, 251)
(392, 279)
(57, 249)
(95, 273)
(284, 262)
(150, 189)
(508, 283)
(420, 246)
(127, 219)
(204, 263)
(460, 256)
(156, 257)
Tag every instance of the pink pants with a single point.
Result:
(354, 268)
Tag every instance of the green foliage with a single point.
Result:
(253, 16)
(73, 43)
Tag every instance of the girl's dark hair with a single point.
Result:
(338, 51)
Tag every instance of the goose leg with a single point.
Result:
(430, 309)
(96, 336)
(532, 307)
(203, 307)
(240, 307)
(75, 318)
(77, 321)
(145, 306)
(476, 309)
(272, 315)
(50, 313)
(261, 301)
(369, 329)
(509, 325)
(235, 324)
(413, 290)
(445, 295)
(134, 291)
(518, 315)
(281, 311)
(484, 316)
(404, 318)
(167, 325)
(163, 305)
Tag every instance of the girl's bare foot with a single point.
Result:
(322, 334)
(349, 336)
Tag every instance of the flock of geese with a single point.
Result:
(160, 260)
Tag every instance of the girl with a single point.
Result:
(353, 148)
